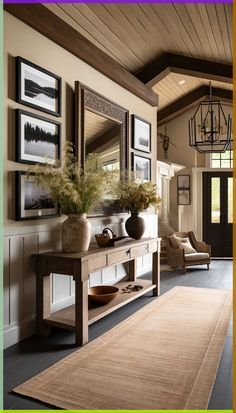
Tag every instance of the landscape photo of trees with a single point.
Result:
(40, 139)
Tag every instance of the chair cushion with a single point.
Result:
(197, 256)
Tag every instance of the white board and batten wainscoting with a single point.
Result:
(19, 277)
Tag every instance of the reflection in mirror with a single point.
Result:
(103, 137)
(102, 128)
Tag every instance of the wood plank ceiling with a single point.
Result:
(169, 88)
(137, 34)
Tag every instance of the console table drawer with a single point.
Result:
(118, 257)
(97, 263)
(139, 251)
(152, 247)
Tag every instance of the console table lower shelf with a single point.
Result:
(65, 318)
(79, 266)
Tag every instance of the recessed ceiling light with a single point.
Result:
(182, 82)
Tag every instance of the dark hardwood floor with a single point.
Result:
(33, 355)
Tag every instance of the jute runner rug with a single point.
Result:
(165, 356)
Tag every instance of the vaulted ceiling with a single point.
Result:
(135, 35)
(160, 44)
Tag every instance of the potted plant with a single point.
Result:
(136, 197)
(77, 191)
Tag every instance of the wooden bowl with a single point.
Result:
(102, 294)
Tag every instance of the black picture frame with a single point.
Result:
(183, 197)
(183, 181)
(145, 171)
(44, 126)
(141, 141)
(50, 100)
(23, 181)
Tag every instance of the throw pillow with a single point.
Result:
(185, 244)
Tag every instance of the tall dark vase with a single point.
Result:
(135, 226)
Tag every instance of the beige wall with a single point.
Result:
(22, 239)
(21, 40)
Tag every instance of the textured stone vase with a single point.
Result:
(76, 233)
(135, 226)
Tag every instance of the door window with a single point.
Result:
(230, 200)
(215, 200)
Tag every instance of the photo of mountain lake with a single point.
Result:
(38, 87)
(38, 140)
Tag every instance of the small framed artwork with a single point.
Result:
(38, 139)
(183, 196)
(183, 181)
(38, 88)
(32, 201)
(141, 134)
(142, 166)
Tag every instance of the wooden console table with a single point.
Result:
(79, 266)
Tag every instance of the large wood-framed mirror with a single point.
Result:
(101, 128)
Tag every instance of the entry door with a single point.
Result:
(218, 212)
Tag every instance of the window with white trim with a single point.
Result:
(222, 160)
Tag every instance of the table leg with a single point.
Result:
(132, 270)
(43, 304)
(156, 273)
(81, 311)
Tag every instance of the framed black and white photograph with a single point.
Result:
(142, 166)
(32, 201)
(183, 181)
(38, 139)
(38, 88)
(183, 197)
(141, 134)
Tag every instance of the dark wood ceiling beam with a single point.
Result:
(157, 70)
(190, 100)
(48, 24)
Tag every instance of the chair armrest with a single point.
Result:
(200, 246)
(175, 256)
(203, 247)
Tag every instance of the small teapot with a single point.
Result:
(105, 237)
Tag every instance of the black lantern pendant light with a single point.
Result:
(209, 129)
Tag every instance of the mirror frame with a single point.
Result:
(86, 98)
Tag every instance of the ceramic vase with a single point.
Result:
(135, 226)
(76, 233)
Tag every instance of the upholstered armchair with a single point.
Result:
(183, 250)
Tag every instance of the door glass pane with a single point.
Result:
(215, 200)
(230, 200)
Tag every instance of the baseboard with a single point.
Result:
(65, 302)
(222, 258)
(17, 332)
